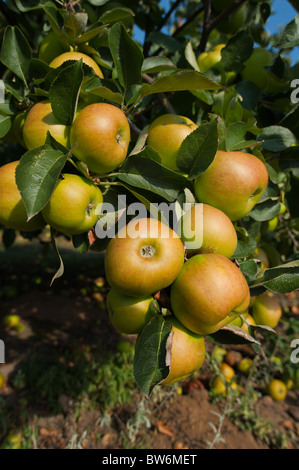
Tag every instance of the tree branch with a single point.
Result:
(168, 14)
(209, 24)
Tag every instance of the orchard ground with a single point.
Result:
(69, 378)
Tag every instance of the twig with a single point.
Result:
(168, 14)
(209, 24)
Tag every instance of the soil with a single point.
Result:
(63, 317)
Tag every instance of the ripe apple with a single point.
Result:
(165, 135)
(59, 60)
(11, 321)
(219, 387)
(217, 232)
(187, 353)
(266, 310)
(127, 314)
(73, 205)
(50, 47)
(255, 71)
(233, 183)
(272, 224)
(101, 133)
(277, 389)
(144, 257)
(209, 292)
(39, 120)
(227, 371)
(12, 209)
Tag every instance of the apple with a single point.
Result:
(207, 60)
(217, 232)
(234, 183)
(209, 292)
(249, 320)
(144, 257)
(13, 213)
(277, 389)
(227, 371)
(50, 47)
(100, 135)
(266, 310)
(218, 354)
(272, 224)
(39, 120)
(11, 321)
(245, 365)
(234, 22)
(262, 256)
(2, 381)
(187, 353)
(73, 205)
(255, 71)
(127, 314)
(59, 60)
(165, 135)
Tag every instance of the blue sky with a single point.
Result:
(283, 13)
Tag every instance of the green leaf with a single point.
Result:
(191, 57)
(198, 150)
(5, 125)
(236, 137)
(127, 55)
(56, 21)
(152, 359)
(245, 248)
(250, 269)
(281, 279)
(165, 41)
(36, 176)
(179, 81)
(157, 64)
(289, 38)
(231, 334)
(265, 210)
(64, 92)
(116, 14)
(75, 24)
(16, 52)
(237, 50)
(60, 270)
(92, 32)
(104, 89)
(147, 174)
(276, 138)
(81, 242)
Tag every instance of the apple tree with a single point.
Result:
(194, 104)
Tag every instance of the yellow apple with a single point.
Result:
(209, 293)
(216, 232)
(39, 120)
(100, 135)
(144, 257)
(233, 183)
(13, 213)
(127, 314)
(73, 205)
(187, 353)
(266, 310)
(59, 60)
(166, 134)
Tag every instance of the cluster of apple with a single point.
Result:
(206, 289)
(99, 135)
